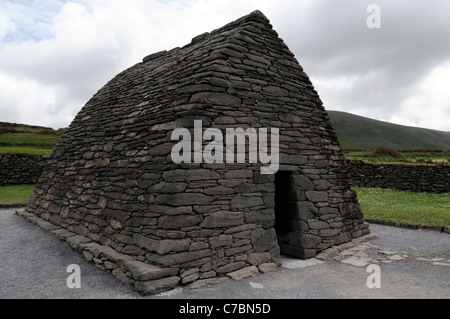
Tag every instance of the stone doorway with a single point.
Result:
(287, 218)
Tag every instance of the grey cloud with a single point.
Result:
(332, 40)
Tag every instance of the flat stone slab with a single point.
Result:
(62, 233)
(256, 285)
(355, 261)
(299, 263)
(364, 239)
(47, 226)
(158, 285)
(143, 272)
(77, 240)
(243, 273)
(267, 267)
(395, 257)
(327, 253)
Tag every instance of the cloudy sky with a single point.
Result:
(55, 54)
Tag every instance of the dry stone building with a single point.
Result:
(112, 189)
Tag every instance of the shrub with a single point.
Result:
(388, 152)
(4, 130)
(45, 131)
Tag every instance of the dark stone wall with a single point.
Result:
(21, 169)
(417, 178)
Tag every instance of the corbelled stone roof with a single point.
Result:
(241, 65)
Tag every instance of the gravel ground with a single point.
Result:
(33, 265)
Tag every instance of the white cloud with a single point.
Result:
(67, 50)
(429, 106)
(30, 102)
(91, 42)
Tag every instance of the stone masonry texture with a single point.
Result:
(416, 178)
(21, 169)
(111, 189)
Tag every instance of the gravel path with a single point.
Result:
(33, 264)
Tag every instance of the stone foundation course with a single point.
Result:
(146, 278)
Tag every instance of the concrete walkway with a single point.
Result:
(411, 264)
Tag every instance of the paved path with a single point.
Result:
(412, 264)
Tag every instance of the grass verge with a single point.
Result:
(25, 150)
(15, 194)
(404, 206)
(25, 139)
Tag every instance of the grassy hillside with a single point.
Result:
(357, 132)
(27, 139)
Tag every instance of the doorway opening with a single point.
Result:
(287, 219)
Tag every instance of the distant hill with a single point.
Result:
(27, 139)
(6, 127)
(357, 132)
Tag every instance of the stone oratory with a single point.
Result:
(113, 191)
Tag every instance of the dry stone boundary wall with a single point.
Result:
(21, 169)
(417, 178)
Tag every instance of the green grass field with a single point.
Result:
(25, 150)
(16, 194)
(37, 140)
(28, 140)
(405, 207)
